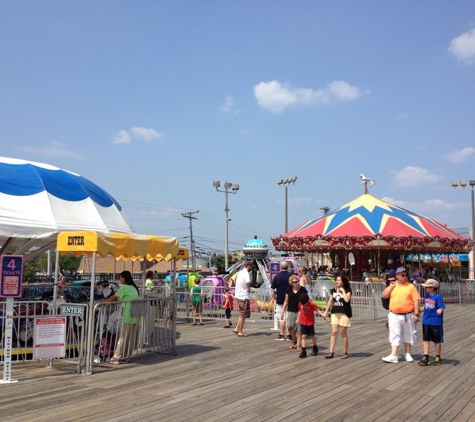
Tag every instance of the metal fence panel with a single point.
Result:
(155, 330)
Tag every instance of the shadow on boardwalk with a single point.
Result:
(217, 376)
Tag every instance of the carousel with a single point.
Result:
(371, 235)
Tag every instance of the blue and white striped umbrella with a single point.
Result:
(37, 201)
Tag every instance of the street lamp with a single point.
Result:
(286, 183)
(463, 185)
(234, 188)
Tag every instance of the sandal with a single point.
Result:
(330, 355)
(299, 348)
(344, 356)
(292, 345)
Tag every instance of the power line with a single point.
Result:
(192, 244)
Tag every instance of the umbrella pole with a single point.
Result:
(90, 320)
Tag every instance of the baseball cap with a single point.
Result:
(401, 270)
(431, 283)
(392, 272)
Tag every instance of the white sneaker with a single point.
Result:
(390, 359)
(408, 357)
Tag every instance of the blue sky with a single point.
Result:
(153, 100)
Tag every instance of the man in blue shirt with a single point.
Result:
(279, 285)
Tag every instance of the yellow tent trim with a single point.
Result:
(119, 245)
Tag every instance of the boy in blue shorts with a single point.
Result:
(432, 322)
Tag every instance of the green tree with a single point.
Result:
(67, 263)
(218, 262)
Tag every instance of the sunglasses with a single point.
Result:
(402, 275)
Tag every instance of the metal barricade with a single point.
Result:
(151, 329)
(24, 313)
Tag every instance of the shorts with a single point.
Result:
(402, 329)
(307, 330)
(244, 308)
(227, 312)
(197, 308)
(292, 324)
(278, 312)
(341, 320)
(433, 333)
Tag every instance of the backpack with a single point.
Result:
(385, 302)
(107, 345)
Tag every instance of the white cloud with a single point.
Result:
(144, 133)
(439, 205)
(229, 106)
(137, 132)
(275, 97)
(426, 207)
(461, 155)
(121, 137)
(463, 47)
(396, 202)
(53, 149)
(414, 176)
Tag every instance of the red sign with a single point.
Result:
(11, 276)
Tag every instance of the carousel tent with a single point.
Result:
(38, 201)
(370, 224)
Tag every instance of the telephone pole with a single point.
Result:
(192, 243)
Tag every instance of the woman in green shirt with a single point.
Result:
(127, 292)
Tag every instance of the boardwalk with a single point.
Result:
(217, 376)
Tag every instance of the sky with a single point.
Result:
(155, 100)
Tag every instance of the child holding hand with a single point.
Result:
(306, 318)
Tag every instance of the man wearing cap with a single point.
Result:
(403, 315)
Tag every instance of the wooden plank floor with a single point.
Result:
(217, 376)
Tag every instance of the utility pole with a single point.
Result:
(192, 243)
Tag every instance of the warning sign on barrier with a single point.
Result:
(50, 338)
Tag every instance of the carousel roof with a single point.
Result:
(371, 223)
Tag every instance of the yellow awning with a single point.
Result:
(120, 246)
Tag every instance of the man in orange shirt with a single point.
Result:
(404, 307)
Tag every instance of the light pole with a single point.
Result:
(234, 188)
(463, 185)
(286, 183)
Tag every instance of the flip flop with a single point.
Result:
(292, 345)
(235, 332)
(344, 356)
(243, 335)
(201, 323)
(194, 323)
